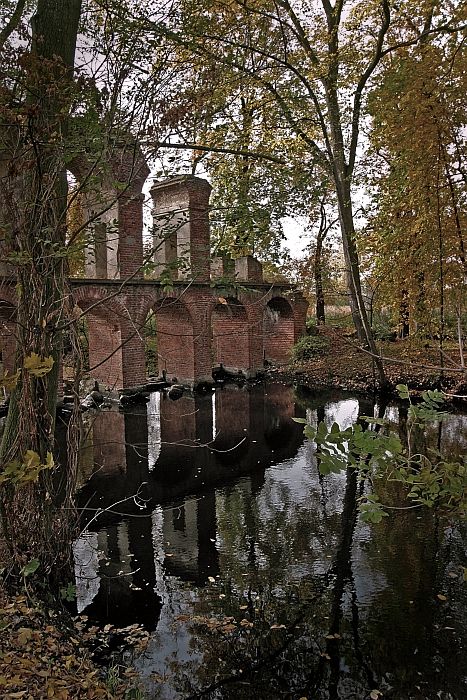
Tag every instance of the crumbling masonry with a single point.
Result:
(214, 312)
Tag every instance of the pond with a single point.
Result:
(209, 524)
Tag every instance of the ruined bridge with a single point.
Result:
(215, 311)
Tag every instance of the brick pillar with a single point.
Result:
(222, 266)
(248, 269)
(181, 226)
(113, 204)
(200, 303)
(133, 355)
(8, 345)
(130, 231)
(105, 351)
(255, 333)
(230, 336)
(101, 253)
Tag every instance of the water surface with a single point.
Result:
(252, 572)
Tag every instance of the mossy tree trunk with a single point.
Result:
(35, 145)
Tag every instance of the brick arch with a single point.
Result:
(230, 334)
(278, 329)
(8, 328)
(175, 337)
(105, 337)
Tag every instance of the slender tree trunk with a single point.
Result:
(357, 304)
(318, 274)
(39, 188)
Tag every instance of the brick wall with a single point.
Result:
(230, 335)
(105, 355)
(279, 330)
(174, 339)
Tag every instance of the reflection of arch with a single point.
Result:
(230, 337)
(278, 330)
(175, 341)
(7, 331)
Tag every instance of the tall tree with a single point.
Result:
(316, 60)
(419, 209)
(35, 104)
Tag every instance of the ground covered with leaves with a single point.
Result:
(41, 657)
(339, 362)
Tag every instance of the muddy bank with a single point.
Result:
(344, 365)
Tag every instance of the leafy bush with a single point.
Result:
(382, 326)
(308, 347)
(311, 327)
(376, 451)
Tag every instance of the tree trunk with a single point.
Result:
(357, 304)
(39, 187)
(318, 273)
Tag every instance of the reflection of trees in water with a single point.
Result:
(290, 551)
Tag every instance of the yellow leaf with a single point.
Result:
(440, 596)
(31, 458)
(38, 366)
(221, 300)
(9, 381)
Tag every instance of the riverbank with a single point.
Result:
(344, 365)
(42, 656)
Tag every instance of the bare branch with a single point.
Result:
(12, 23)
(377, 56)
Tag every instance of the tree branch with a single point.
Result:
(363, 81)
(218, 149)
(12, 23)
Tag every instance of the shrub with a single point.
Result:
(311, 327)
(308, 347)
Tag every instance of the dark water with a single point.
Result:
(252, 572)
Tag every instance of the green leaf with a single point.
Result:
(403, 391)
(30, 567)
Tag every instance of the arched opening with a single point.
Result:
(69, 352)
(104, 340)
(151, 345)
(174, 347)
(278, 330)
(230, 335)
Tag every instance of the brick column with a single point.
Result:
(255, 333)
(200, 303)
(133, 355)
(130, 232)
(105, 351)
(181, 226)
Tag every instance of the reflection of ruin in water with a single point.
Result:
(261, 519)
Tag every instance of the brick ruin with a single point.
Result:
(214, 312)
